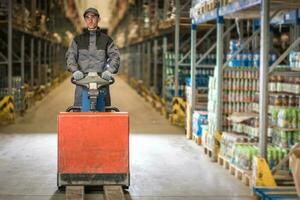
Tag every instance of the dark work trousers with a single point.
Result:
(78, 96)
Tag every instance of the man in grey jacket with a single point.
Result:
(92, 51)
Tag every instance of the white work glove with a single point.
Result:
(78, 75)
(107, 75)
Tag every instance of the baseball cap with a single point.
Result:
(91, 10)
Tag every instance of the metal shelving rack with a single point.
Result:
(146, 54)
(26, 52)
(260, 9)
(152, 47)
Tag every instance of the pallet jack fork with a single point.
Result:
(93, 147)
(110, 193)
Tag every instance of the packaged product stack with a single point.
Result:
(239, 89)
(282, 132)
(212, 99)
(246, 58)
(228, 141)
(171, 9)
(294, 59)
(3, 8)
(246, 123)
(286, 126)
(201, 98)
(284, 106)
(201, 93)
(287, 84)
(243, 155)
(18, 94)
(202, 76)
(202, 6)
(146, 18)
(199, 123)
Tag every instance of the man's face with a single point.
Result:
(91, 20)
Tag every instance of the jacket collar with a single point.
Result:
(98, 31)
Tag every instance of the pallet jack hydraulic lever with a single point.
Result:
(94, 84)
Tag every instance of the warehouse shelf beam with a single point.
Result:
(205, 17)
(215, 44)
(219, 69)
(51, 54)
(184, 44)
(39, 61)
(177, 31)
(15, 56)
(250, 9)
(148, 80)
(46, 61)
(155, 65)
(263, 78)
(3, 57)
(238, 6)
(187, 3)
(32, 62)
(140, 63)
(45, 53)
(9, 49)
(285, 54)
(23, 59)
(207, 34)
(193, 63)
(165, 50)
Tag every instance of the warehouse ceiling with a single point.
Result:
(103, 6)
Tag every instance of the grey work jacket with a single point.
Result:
(103, 56)
(92, 54)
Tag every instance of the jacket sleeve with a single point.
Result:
(71, 57)
(113, 57)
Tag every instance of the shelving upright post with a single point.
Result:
(193, 63)
(219, 69)
(177, 24)
(263, 78)
(9, 49)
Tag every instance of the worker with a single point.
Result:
(92, 51)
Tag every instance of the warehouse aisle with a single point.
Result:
(42, 117)
(164, 165)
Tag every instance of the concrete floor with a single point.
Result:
(164, 165)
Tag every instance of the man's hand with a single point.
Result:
(107, 75)
(78, 75)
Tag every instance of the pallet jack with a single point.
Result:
(265, 184)
(93, 140)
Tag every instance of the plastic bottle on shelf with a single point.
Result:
(214, 61)
(239, 60)
(256, 59)
(245, 62)
(233, 45)
(250, 59)
(297, 60)
(228, 56)
(292, 59)
(272, 58)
